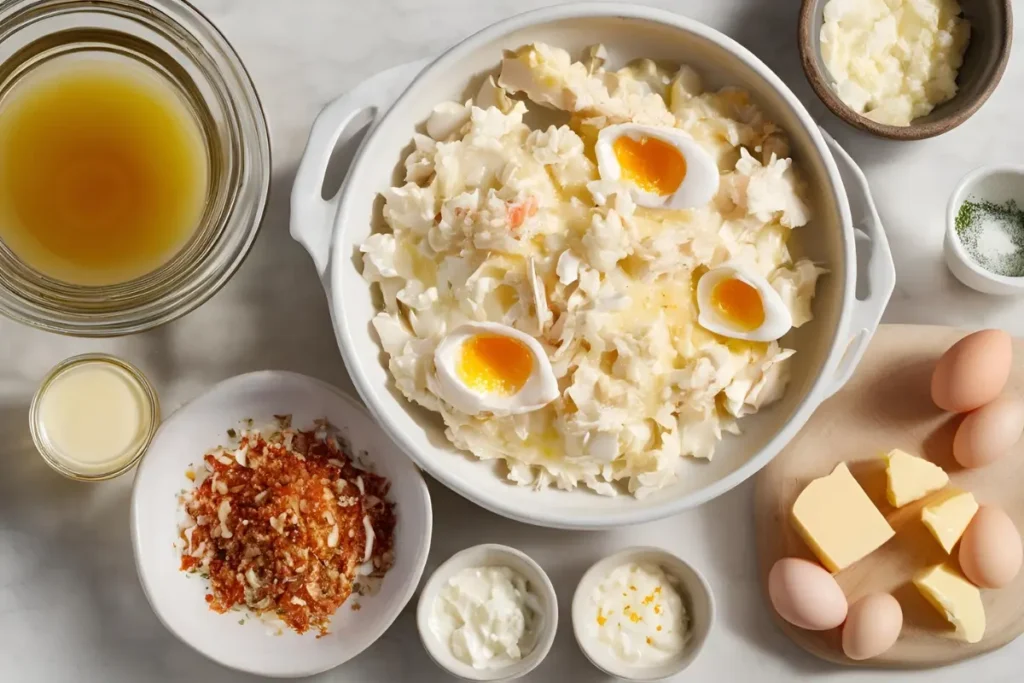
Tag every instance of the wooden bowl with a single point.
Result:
(984, 63)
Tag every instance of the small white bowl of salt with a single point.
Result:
(985, 230)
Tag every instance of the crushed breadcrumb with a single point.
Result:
(267, 528)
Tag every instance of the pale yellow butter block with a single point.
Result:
(911, 478)
(948, 518)
(955, 598)
(838, 520)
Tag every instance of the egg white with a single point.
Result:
(540, 389)
(699, 186)
(777, 318)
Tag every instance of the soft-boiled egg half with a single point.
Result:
(487, 367)
(663, 167)
(738, 303)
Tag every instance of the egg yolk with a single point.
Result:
(491, 363)
(651, 164)
(739, 303)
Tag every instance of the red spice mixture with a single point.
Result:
(283, 523)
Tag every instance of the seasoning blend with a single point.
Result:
(993, 235)
(93, 417)
(984, 243)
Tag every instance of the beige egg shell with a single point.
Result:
(806, 595)
(990, 549)
(872, 626)
(973, 371)
(989, 432)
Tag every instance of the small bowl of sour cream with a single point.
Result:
(642, 614)
(488, 614)
(984, 243)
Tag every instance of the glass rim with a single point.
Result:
(236, 207)
(151, 408)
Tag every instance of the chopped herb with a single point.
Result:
(232, 434)
(241, 622)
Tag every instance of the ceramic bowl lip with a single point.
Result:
(695, 584)
(386, 410)
(954, 246)
(539, 581)
(810, 47)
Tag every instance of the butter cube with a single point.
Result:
(955, 598)
(911, 478)
(838, 520)
(947, 519)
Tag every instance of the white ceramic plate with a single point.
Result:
(178, 598)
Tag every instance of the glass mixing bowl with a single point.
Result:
(183, 47)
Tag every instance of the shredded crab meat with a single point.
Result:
(505, 223)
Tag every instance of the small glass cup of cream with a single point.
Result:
(93, 417)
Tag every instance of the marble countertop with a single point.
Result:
(71, 608)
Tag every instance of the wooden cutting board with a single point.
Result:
(888, 405)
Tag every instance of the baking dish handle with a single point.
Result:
(876, 275)
(312, 216)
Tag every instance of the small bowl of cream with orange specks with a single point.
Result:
(642, 614)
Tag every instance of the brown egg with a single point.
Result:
(973, 371)
(990, 550)
(989, 432)
(806, 595)
(872, 626)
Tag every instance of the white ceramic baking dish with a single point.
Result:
(847, 308)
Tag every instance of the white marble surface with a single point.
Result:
(70, 606)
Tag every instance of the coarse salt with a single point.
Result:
(994, 243)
